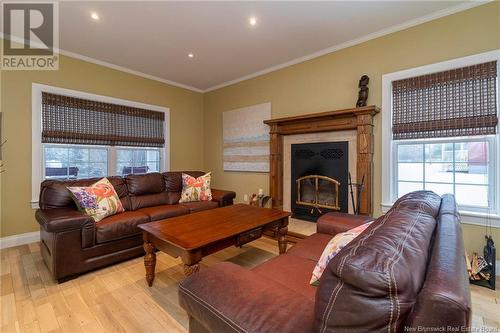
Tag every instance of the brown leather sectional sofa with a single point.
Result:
(405, 273)
(72, 243)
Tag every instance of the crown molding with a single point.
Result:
(128, 70)
(109, 65)
(377, 34)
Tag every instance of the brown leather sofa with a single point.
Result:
(72, 243)
(405, 273)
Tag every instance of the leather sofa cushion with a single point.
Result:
(335, 222)
(54, 193)
(62, 219)
(228, 298)
(311, 247)
(154, 189)
(381, 272)
(119, 226)
(148, 183)
(163, 212)
(173, 179)
(198, 206)
(291, 271)
(173, 198)
(223, 198)
(149, 200)
(444, 290)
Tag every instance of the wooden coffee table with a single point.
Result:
(197, 235)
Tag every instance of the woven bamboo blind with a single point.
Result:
(73, 120)
(457, 102)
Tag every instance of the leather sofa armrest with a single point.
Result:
(334, 223)
(223, 198)
(62, 219)
(230, 298)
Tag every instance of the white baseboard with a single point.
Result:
(21, 239)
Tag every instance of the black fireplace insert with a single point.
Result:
(319, 179)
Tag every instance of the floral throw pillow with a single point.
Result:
(333, 247)
(98, 200)
(196, 189)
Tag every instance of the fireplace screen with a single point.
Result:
(318, 192)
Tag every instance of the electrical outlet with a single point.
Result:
(245, 197)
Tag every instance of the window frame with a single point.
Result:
(38, 159)
(389, 162)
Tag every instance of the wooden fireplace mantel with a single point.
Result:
(358, 119)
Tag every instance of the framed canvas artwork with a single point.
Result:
(246, 138)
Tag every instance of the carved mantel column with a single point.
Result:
(276, 167)
(358, 119)
(364, 166)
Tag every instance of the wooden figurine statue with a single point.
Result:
(363, 91)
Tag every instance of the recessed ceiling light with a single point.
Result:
(94, 15)
(252, 20)
(190, 55)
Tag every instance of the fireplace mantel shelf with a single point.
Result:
(358, 119)
(354, 112)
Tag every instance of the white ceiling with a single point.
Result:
(154, 38)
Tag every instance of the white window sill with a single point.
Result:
(466, 217)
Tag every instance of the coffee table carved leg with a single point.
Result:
(282, 231)
(150, 262)
(190, 269)
(191, 261)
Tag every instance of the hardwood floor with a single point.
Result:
(117, 299)
(301, 227)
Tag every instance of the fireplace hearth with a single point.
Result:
(319, 176)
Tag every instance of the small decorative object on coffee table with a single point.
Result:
(197, 235)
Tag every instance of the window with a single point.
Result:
(132, 161)
(72, 162)
(76, 162)
(441, 134)
(461, 167)
(83, 135)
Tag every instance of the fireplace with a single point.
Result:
(359, 120)
(319, 174)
